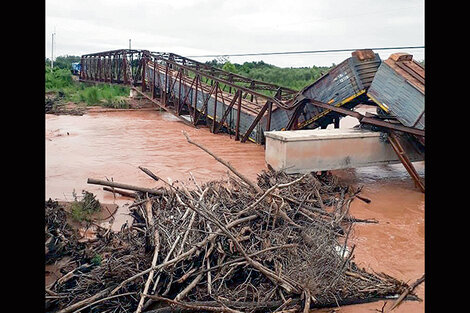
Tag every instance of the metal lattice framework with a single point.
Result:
(129, 67)
(187, 87)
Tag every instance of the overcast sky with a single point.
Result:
(200, 27)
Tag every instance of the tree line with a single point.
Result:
(291, 77)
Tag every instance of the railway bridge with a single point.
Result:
(198, 94)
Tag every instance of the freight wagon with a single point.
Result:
(398, 88)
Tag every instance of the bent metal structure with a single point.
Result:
(198, 93)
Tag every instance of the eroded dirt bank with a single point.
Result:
(113, 145)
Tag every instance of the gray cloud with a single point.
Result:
(195, 27)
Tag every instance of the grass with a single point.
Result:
(60, 81)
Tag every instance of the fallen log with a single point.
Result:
(195, 307)
(154, 261)
(120, 192)
(124, 186)
(406, 292)
(85, 302)
(149, 173)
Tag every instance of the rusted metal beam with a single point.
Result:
(397, 147)
(399, 127)
(237, 123)
(144, 66)
(214, 120)
(229, 108)
(337, 109)
(153, 82)
(268, 119)
(369, 120)
(165, 88)
(270, 110)
(195, 101)
(172, 87)
(187, 94)
(256, 121)
(231, 77)
(82, 66)
(203, 110)
(99, 69)
(124, 63)
(292, 124)
(178, 110)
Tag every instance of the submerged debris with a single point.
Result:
(221, 246)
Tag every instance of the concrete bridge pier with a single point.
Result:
(302, 151)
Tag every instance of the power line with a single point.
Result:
(300, 52)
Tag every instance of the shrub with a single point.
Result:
(83, 209)
(96, 260)
(58, 79)
(91, 95)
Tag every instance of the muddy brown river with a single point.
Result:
(111, 145)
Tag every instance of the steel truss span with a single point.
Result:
(202, 94)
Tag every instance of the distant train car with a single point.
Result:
(398, 88)
(76, 68)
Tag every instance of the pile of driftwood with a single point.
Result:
(231, 245)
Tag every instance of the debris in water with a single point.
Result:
(220, 246)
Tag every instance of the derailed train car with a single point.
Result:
(398, 88)
(345, 85)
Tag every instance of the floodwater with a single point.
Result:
(112, 145)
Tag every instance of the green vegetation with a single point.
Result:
(83, 209)
(107, 95)
(58, 79)
(293, 77)
(96, 260)
(61, 82)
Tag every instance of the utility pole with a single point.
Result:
(52, 52)
(129, 44)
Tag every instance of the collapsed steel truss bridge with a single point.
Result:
(198, 93)
(201, 93)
